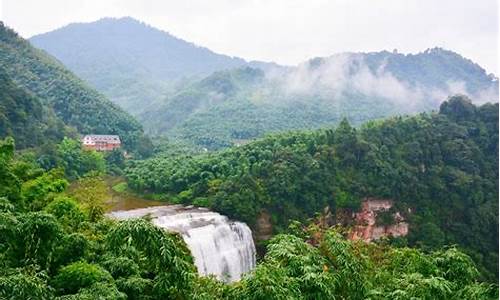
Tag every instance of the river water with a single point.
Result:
(220, 246)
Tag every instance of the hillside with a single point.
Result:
(128, 61)
(187, 92)
(57, 244)
(228, 107)
(441, 167)
(72, 100)
(23, 115)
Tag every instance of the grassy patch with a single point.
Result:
(120, 187)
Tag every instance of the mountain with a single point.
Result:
(23, 116)
(233, 106)
(130, 62)
(72, 100)
(187, 92)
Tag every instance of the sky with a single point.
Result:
(288, 31)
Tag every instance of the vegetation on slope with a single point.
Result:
(56, 244)
(130, 62)
(159, 79)
(230, 106)
(443, 166)
(23, 115)
(73, 102)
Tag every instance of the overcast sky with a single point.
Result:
(288, 31)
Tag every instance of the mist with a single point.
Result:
(346, 74)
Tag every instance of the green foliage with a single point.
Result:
(115, 161)
(292, 269)
(71, 278)
(99, 290)
(39, 233)
(166, 254)
(10, 184)
(90, 192)
(120, 187)
(121, 267)
(21, 284)
(443, 168)
(71, 247)
(78, 162)
(341, 269)
(67, 211)
(59, 91)
(38, 192)
(136, 288)
(24, 117)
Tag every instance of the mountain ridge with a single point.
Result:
(134, 65)
(127, 59)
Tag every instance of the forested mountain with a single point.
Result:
(130, 62)
(442, 167)
(229, 106)
(23, 115)
(72, 100)
(170, 85)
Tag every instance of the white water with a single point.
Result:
(219, 246)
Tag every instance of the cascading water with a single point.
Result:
(219, 246)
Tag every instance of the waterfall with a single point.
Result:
(219, 246)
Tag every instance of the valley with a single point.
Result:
(137, 165)
(212, 101)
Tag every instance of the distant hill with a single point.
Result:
(234, 106)
(178, 89)
(59, 90)
(130, 62)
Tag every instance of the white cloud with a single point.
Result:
(347, 73)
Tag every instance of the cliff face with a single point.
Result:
(264, 227)
(366, 227)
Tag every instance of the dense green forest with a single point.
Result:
(232, 107)
(55, 243)
(73, 101)
(23, 115)
(442, 166)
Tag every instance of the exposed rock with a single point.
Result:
(366, 227)
(264, 227)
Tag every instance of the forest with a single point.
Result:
(442, 166)
(230, 107)
(69, 99)
(55, 243)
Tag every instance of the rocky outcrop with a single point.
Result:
(264, 227)
(366, 227)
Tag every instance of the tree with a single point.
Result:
(91, 192)
(10, 185)
(458, 108)
(78, 162)
(167, 256)
(71, 278)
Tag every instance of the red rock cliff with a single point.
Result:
(365, 227)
